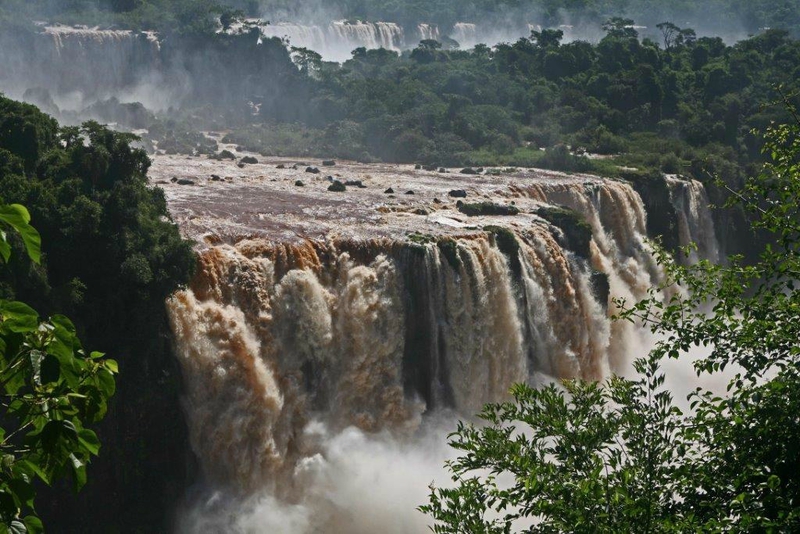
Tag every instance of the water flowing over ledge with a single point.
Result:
(372, 309)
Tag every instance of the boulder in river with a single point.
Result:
(249, 160)
(299, 183)
(185, 181)
(328, 163)
(225, 154)
(458, 193)
(312, 170)
(389, 191)
(468, 170)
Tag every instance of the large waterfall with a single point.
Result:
(321, 327)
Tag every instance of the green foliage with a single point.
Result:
(112, 256)
(91, 199)
(621, 456)
(51, 390)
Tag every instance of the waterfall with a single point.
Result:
(428, 31)
(299, 341)
(78, 64)
(695, 223)
(335, 41)
(373, 334)
(465, 34)
(118, 58)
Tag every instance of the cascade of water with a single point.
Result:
(695, 223)
(465, 34)
(116, 56)
(289, 347)
(339, 38)
(428, 31)
(278, 332)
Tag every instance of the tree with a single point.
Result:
(670, 33)
(620, 28)
(51, 390)
(308, 61)
(547, 38)
(622, 457)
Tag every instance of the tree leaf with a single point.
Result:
(18, 218)
(18, 317)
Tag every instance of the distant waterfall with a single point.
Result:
(336, 41)
(428, 31)
(465, 34)
(77, 64)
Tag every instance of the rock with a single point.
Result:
(430, 168)
(184, 181)
(299, 183)
(479, 170)
(409, 192)
(389, 191)
(174, 179)
(442, 169)
(355, 183)
(249, 160)
(337, 187)
(281, 166)
(437, 201)
(468, 170)
(225, 154)
(417, 167)
(420, 211)
(458, 193)
(328, 163)
(240, 165)
(486, 208)
(577, 233)
(216, 178)
(312, 170)
(600, 287)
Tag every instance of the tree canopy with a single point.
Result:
(111, 256)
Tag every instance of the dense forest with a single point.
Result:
(110, 258)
